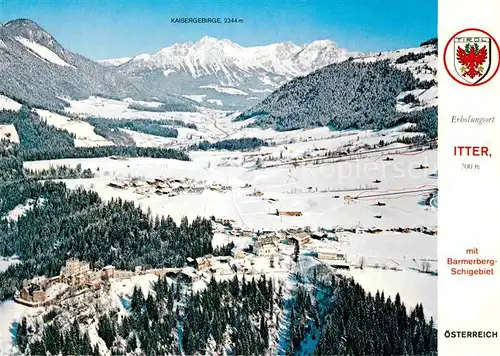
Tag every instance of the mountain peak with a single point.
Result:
(25, 24)
(321, 43)
(212, 42)
(28, 29)
(208, 39)
(22, 22)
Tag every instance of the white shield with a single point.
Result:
(470, 65)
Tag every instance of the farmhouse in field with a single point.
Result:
(224, 221)
(288, 213)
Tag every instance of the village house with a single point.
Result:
(220, 265)
(330, 254)
(334, 257)
(318, 235)
(224, 221)
(118, 185)
(138, 183)
(237, 252)
(237, 265)
(236, 232)
(256, 193)
(204, 262)
(266, 246)
(301, 238)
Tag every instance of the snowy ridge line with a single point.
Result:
(211, 55)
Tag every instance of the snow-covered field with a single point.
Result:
(10, 314)
(119, 109)
(43, 52)
(146, 140)
(9, 104)
(226, 90)
(5, 262)
(394, 263)
(9, 133)
(309, 189)
(84, 132)
(147, 104)
(198, 98)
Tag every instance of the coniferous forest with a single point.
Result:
(162, 128)
(244, 317)
(238, 144)
(39, 141)
(59, 172)
(65, 223)
(34, 133)
(362, 324)
(343, 95)
(80, 224)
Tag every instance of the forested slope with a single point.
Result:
(343, 95)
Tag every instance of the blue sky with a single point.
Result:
(102, 29)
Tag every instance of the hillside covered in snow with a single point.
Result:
(36, 70)
(371, 91)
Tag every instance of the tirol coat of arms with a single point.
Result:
(472, 57)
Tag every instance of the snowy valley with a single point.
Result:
(232, 200)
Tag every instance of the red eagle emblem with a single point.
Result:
(472, 59)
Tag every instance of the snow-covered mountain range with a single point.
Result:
(223, 73)
(35, 69)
